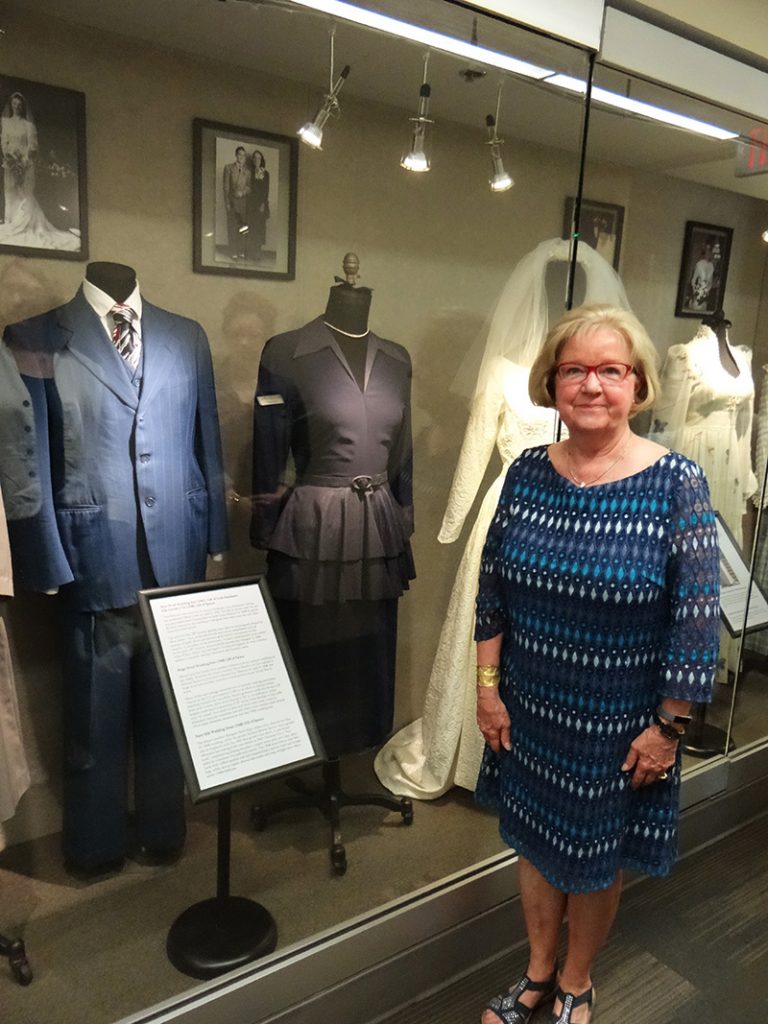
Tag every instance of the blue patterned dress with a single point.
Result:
(607, 599)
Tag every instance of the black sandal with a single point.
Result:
(510, 1010)
(570, 1002)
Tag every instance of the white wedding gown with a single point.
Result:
(444, 747)
(706, 413)
(25, 223)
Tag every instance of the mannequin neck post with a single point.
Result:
(116, 279)
(347, 309)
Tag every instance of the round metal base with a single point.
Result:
(219, 934)
(705, 740)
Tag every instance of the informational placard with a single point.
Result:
(236, 704)
(735, 587)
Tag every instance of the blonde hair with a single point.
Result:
(643, 354)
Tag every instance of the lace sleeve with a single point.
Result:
(761, 442)
(744, 424)
(671, 408)
(689, 658)
(490, 617)
(476, 450)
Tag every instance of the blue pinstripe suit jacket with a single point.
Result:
(137, 474)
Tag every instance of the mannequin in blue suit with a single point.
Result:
(131, 496)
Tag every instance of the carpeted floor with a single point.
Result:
(691, 949)
(98, 950)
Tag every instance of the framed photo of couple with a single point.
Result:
(244, 195)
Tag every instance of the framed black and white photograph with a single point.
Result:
(235, 700)
(244, 201)
(703, 269)
(601, 227)
(44, 188)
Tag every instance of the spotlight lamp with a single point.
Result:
(311, 134)
(764, 235)
(417, 157)
(499, 181)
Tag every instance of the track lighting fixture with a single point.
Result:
(417, 157)
(311, 134)
(499, 181)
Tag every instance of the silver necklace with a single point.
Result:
(608, 468)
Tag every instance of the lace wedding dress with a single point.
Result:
(705, 412)
(444, 747)
(25, 223)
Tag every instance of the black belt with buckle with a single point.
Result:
(364, 483)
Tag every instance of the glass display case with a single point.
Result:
(339, 251)
(682, 212)
(221, 416)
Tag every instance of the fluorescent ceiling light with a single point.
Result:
(647, 110)
(425, 37)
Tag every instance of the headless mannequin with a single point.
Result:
(720, 324)
(346, 313)
(116, 279)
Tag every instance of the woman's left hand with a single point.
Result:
(650, 755)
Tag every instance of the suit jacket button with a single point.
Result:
(149, 502)
(144, 457)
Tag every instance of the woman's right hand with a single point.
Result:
(493, 718)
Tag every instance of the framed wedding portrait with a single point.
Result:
(703, 269)
(601, 227)
(244, 201)
(43, 208)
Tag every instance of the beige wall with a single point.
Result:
(742, 22)
(657, 208)
(435, 249)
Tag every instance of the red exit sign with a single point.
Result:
(752, 154)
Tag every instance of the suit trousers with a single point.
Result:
(112, 695)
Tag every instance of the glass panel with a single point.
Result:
(114, 478)
(691, 256)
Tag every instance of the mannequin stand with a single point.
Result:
(703, 739)
(329, 801)
(17, 958)
(226, 931)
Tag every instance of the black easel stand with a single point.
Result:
(703, 739)
(329, 801)
(17, 958)
(226, 931)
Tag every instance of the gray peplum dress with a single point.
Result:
(336, 523)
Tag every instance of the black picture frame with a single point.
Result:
(179, 691)
(44, 181)
(601, 226)
(244, 236)
(701, 286)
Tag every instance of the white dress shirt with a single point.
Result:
(102, 303)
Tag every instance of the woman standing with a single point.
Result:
(597, 626)
(257, 205)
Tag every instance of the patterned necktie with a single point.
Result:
(124, 334)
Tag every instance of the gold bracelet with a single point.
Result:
(488, 675)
